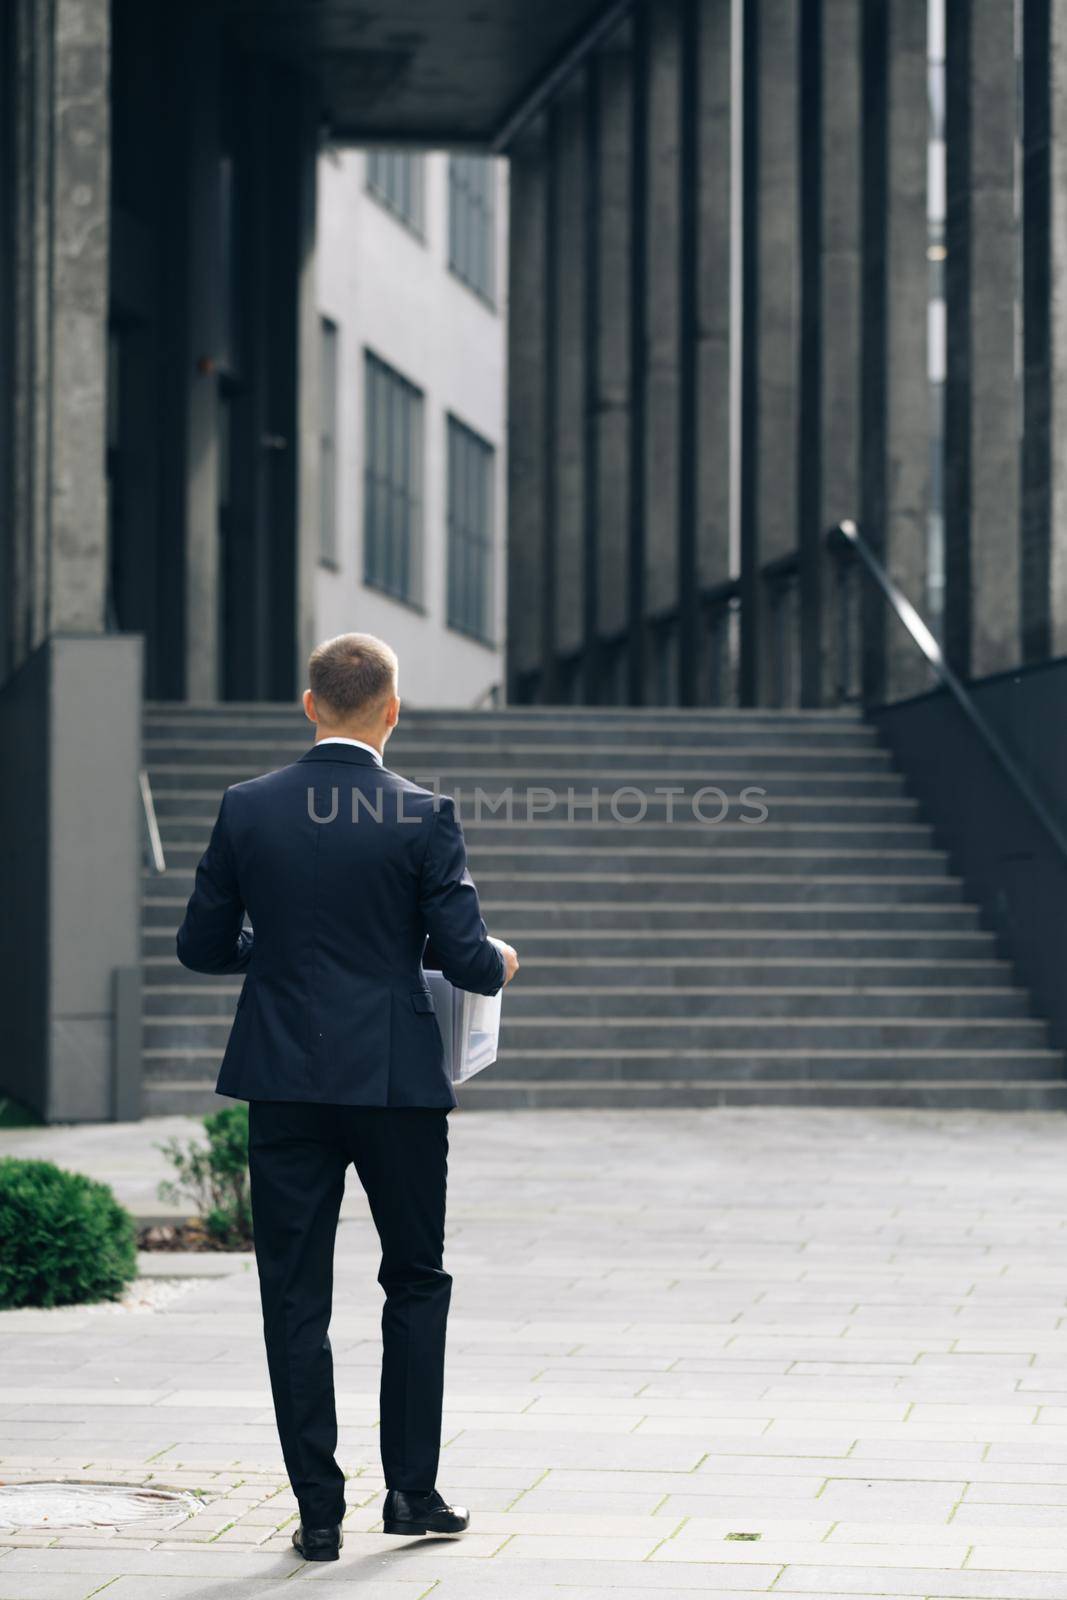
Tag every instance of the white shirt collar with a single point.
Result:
(336, 738)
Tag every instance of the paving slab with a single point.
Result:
(729, 1352)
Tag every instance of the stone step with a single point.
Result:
(824, 956)
(487, 1093)
(195, 1096)
(816, 839)
(611, 1038)
(215, 998)
(588, 915)
(643, 888)
(564, 945)
(685, 971)
(535, 763)
(712, 808)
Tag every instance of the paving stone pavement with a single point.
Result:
(726, 1352)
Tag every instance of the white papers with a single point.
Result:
(470, 1026)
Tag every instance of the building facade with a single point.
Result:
(412, 278)
(719, 293)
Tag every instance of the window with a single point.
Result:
(396, 178)
(392, 483)
(470, 533)
(328, 445)
(471, 222)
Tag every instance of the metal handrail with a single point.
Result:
(846, 535)
(148, 805)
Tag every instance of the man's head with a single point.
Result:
(353, 688)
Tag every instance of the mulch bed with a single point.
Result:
(185, 1236)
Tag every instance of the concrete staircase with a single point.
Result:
(824, 956)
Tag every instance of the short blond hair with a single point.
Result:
(352, 674)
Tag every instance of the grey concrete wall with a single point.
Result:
(94, 888)
(72, 851)
(60, 157)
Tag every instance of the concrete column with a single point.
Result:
(71, 915)
(638, 274)
(777, 307)
(982, 597)
(1044, 455)
(526, 406)
(204, 282)
(895, 408)
(662, 311)
(841, 291)
(613, 106)
(714, 222)
(567, 331)
(61, 150)
(1057, 59)
(308, 396)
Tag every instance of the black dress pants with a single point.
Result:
(298, 1156)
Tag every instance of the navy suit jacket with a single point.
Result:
(344, 869)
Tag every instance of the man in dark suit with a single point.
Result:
(344, 869)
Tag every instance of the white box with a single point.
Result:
(470, 1026)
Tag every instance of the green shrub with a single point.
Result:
(64, 1239)
(215, 1177)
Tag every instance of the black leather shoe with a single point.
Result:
(406, 1512)
(318, 1544)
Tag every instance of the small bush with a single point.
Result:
(215, 1177)
(64, 1238)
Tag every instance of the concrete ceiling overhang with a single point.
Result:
(430, 72)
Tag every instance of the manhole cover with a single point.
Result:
(90, 1505)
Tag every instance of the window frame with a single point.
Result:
(463, 204)
(469, 546)
(394, 466)
(411, 215)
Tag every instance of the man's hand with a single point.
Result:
(511, 960)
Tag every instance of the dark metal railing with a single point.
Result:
(846, 540)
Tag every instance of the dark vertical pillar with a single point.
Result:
(638, 356)
(748, 487)
(612, 340)
(714, 230)
(663, 324)
(840, 291)
(895, 399)
(810, 406)
(592, 688)
(569, 211)
(982, 566)
(201, 321)
(526, 381)
(1036, 461)
(549, 688)
(689, 170)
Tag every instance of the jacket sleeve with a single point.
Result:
(450, 910)
(211, 938)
